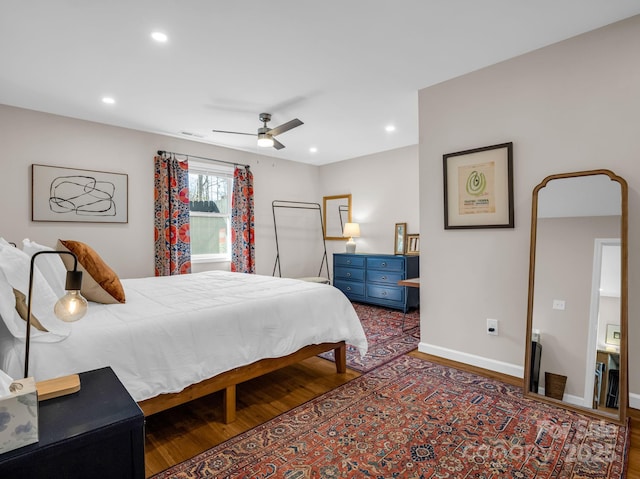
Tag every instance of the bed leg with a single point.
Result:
(229, 404)
(340, 355)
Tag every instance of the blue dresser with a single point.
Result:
(373, 278)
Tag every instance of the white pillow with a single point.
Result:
(16, 264)
(50, 265)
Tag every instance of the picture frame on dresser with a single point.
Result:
(399, 241)
(478, 188)
(413, 244)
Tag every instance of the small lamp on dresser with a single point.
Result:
(351, 230)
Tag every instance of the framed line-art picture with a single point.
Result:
(399, 242)
(478, 188)
(75, 195)
(413, 244)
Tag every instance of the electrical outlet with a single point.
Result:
(492, 327)
(558, 304)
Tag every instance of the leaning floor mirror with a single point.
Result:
(576, 341)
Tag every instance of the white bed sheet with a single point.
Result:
(176, 331)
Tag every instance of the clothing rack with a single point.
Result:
(275, 204)
(162, 153)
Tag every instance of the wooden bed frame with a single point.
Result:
(228, 380)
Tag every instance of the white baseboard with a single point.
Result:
(502, 367)
(478, 361)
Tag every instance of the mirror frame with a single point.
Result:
(623, 382)
(324, 214)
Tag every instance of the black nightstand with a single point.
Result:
(97, 432)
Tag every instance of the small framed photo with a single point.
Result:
(478, 188)
(413, 244)
(399, 242)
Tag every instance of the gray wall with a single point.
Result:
(384, 188)
(571, 106)
(32, 137)
(385, 191)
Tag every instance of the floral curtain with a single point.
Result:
(171, 211)
(242, 222)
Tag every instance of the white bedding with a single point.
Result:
(178, 330)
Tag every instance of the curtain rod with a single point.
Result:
(162, 152)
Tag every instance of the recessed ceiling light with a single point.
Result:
(159, 37)
(313, 149)
(390, 128)
(108, 100)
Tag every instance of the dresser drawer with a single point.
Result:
(387, 293)
(387, 264)
(348, 260)
(348, 273)
(350, 288)
(386, 277)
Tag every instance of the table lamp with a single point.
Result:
(351, 230)
(71, 307)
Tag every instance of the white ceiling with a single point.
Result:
(346, 68)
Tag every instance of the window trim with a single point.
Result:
(196, 167)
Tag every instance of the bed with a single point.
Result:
(181, 337)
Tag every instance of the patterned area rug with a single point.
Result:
(387, 335)
(414, 419)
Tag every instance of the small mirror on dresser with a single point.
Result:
(336, 212)
(576, 341)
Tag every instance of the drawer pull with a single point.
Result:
(383, 264)
(348, 275)
(383, 278)
(384, 293)
(348, 261)
(348, 288)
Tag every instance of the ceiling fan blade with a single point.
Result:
(233, 132)
(278, 130)
(277, 145)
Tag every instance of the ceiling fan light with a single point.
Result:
(265, 140)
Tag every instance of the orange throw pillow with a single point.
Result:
(100, 283)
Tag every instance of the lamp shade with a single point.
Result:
(351, 230)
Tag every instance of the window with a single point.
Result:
(210, 188)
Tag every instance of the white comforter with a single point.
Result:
(176, 331)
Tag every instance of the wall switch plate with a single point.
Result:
(492, 327)
(558, 304)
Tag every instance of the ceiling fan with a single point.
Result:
(265, 134)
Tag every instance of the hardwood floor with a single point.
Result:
(633, 464)
(182, 432)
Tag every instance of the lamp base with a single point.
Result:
(53, 388)
(351, 246)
